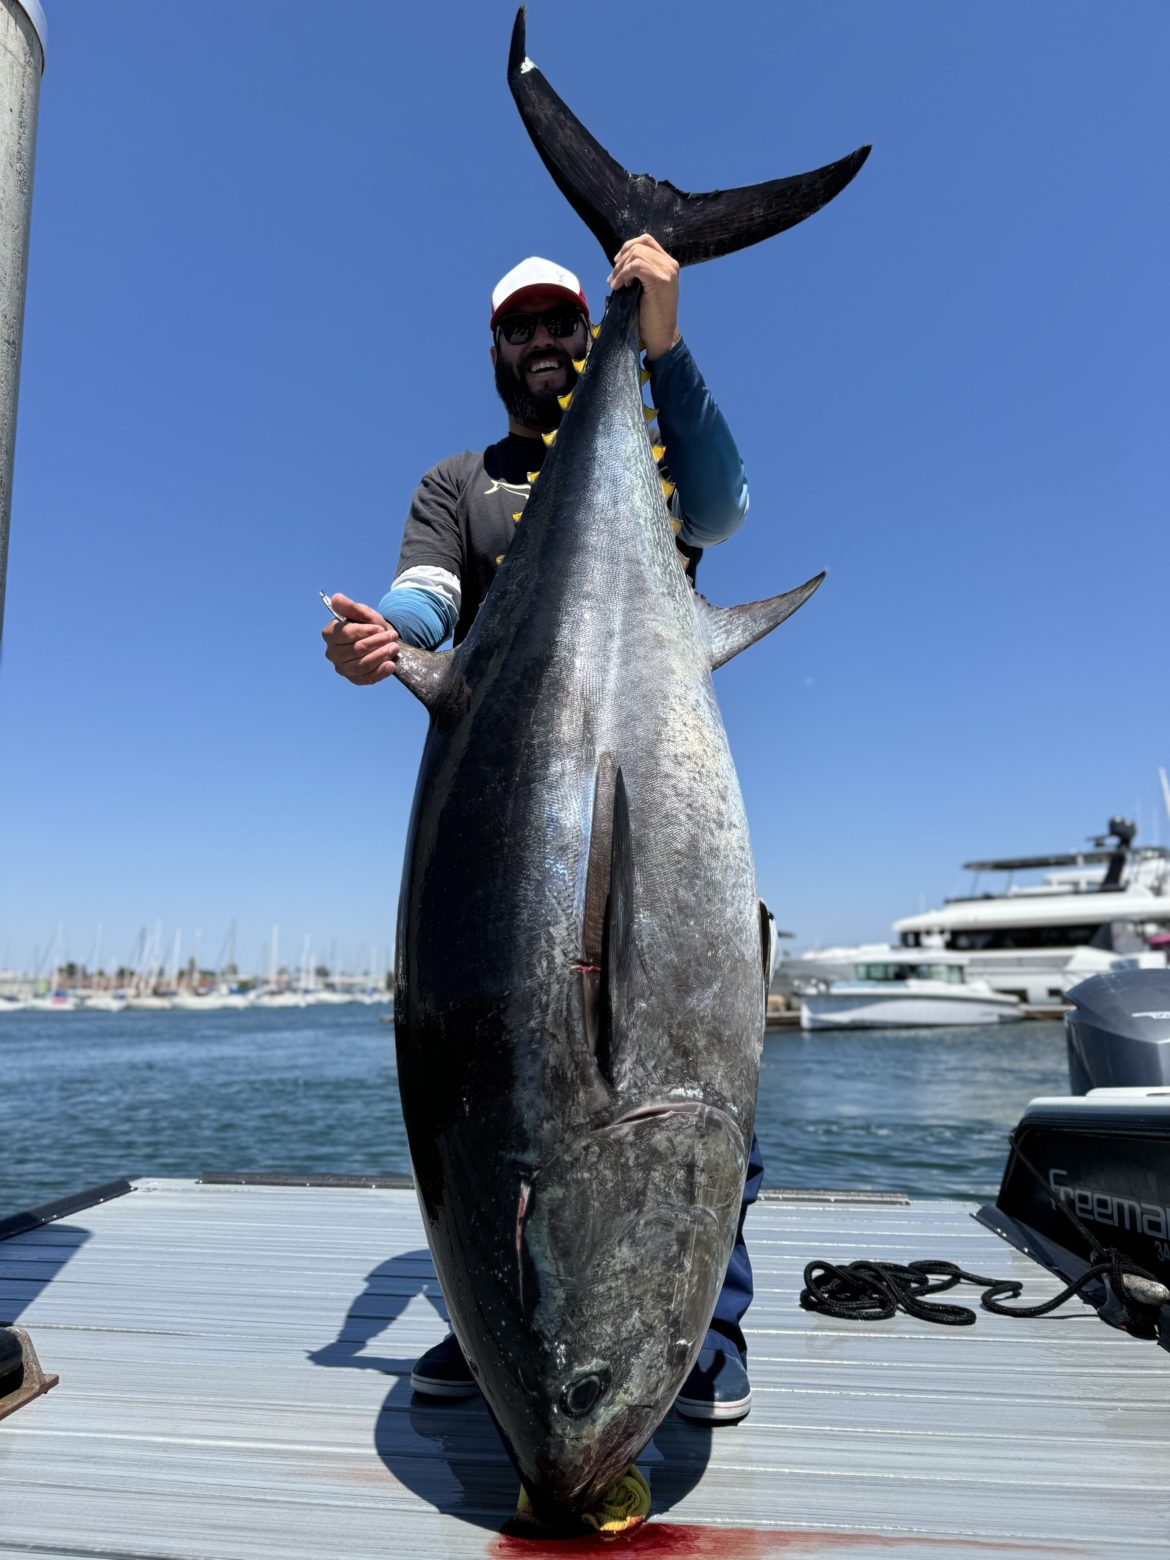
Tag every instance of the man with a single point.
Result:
(462, 517)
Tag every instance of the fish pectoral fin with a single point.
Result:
(728, 630)
(767, 945)
(619, 956)
(596, 896)
(597, 873)
(430, 675)
(616, 205)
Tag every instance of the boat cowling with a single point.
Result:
(1119, 1031)
(1089, 1174)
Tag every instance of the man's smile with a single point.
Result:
(544, 363)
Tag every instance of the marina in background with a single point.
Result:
(154, 981)
(1094, 909)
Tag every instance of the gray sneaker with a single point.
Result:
(717, 1391)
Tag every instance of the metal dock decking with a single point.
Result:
(234, 1364)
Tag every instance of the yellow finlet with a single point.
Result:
(675, 525)
(565, 401)
(500, 559)
(667, 488)
(643, 376)
(517, 515)
(549, 439)
(649, 413)
(578, 365)
(624, 1506)
(658, 451)
(595, 331)
(532, 476)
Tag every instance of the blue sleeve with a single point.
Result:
(704, 463)
(424, 598)
(422, 617)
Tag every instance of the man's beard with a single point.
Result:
(534, 409)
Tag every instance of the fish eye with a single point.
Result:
(583, 1394)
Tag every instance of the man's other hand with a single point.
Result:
(364, 648)
(644, 260)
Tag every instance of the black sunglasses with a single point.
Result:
(519, 328)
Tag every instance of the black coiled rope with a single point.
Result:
(874, 1291)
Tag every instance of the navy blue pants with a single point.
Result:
(736, 1294)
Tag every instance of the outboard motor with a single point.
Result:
(1088, 1176)
(1119, 1031)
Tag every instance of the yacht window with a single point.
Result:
(997, 938)
(952, 973)
(949, 972)
(882, 972)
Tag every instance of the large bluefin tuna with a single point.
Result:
(581, 948)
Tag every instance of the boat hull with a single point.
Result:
(859, 1006)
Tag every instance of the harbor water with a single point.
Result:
(91, 1097)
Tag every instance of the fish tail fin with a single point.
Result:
(728, 630)
(616, 205)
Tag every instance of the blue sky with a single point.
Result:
(263, 243)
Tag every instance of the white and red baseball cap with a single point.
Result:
(533, 276)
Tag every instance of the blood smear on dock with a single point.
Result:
(690, 1541)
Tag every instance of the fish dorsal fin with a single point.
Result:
(430, 675)
(728, 630)
(617, 205)
(619, 956)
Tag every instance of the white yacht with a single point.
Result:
(1092, 910)
(903, 988)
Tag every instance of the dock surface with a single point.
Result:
(234, 1385)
